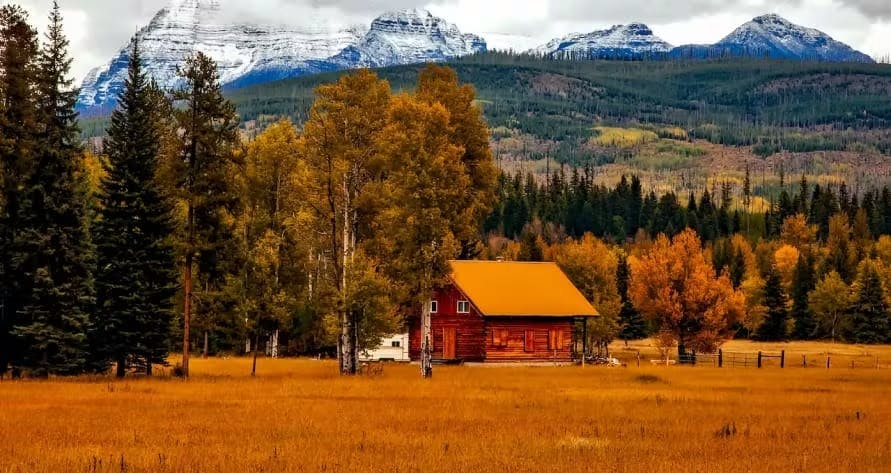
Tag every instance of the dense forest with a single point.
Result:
(324, 210)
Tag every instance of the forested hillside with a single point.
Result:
(679, 125)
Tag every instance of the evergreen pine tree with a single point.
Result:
(803, 282)
(631, 322)
(868, 319)
(52, 247)
(775, 325)
(136, 278)
(738, 268)
(18, 127)
(530, 249)
(208, 128)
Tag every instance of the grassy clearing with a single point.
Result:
(623, 137)
(298, 415)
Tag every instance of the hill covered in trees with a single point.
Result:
(679, 125)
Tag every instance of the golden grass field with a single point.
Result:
(298, 415)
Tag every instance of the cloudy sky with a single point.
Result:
(98, 28)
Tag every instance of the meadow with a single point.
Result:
(299, 415)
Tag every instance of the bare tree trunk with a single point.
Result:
(426, 345)
(148, 369)
(187, 312)
(205, 344)
(121, 368)
(256, 344)
(347, 352)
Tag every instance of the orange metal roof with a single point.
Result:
(511, 289)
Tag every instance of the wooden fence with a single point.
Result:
(761, 359)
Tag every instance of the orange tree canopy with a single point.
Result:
(512, 289)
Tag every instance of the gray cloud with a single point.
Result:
(874, 9)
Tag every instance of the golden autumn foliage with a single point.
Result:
(785, 258)
(798, 233)
(623, 137)
(591, 266)
(675, 285)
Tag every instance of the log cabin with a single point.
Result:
(496, 311)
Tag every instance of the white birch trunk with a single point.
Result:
(426, 345)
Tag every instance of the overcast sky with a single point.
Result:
(99, 28)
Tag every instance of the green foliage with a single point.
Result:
(802, 284)
(18, 143)
(764, 103)
(776, 323)
(869, 318)
(52, 250)
(136, 276)
(632, 325)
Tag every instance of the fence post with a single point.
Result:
(720, 358)
(783, 359)
(804, 361)
(828, 361)
(638, 359)
(759, 359)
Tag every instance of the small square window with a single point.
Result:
(396, 344)
(463, 307)
(434, 307)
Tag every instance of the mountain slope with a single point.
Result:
(620, 41)
(774, 36)
(250, 54)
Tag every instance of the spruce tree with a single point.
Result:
(775, 325)
(52, 247)
(208, 133)
(803, 282)
(631, 322)
(18, 128)
(868, 319)
(136, 277)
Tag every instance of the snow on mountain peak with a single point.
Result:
(248, 53)
(634, 39)
(776, 36)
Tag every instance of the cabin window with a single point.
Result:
(396, 344)
(434, 307)
(529, 342)
(500, 337)
(463, 307)
(555, 339)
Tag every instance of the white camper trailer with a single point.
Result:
(392, 348)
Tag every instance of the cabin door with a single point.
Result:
(449, 342)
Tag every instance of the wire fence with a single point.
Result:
(760, 359)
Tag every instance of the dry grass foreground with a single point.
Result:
(298, 415)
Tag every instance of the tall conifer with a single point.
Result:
(869, 320)
(803, 282)
(775, 325)
(52, 248)
(136, 277)
(18, 127)
(208, 133)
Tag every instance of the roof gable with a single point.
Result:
(512, 289)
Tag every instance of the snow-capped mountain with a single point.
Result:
(620, 41)
(408, 37)
(776, 37)
(248, 54)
